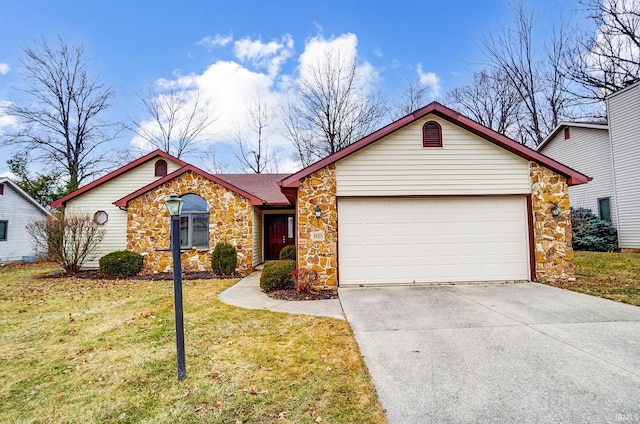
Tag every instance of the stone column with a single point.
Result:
(552, 234)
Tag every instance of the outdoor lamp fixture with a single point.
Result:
(317, 212)
(174, 206)
(555, 210)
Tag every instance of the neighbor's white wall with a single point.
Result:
(588, 151)
(398, 165)
(18, 211)
(623, 110)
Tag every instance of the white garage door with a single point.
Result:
(418, 240)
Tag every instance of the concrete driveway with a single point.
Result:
(500, 353)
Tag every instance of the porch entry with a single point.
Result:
(279, 232)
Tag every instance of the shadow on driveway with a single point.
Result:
(506, 353)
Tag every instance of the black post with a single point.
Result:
(177, 295)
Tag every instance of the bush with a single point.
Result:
(120, 264)
(277, 275)
(69, 240)
(591, 233)
(288, 253)
(304, 280)
(224, 259)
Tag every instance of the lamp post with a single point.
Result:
(174, 206)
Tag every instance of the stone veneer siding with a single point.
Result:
(552, 234)
(319, 188)
(230, 220)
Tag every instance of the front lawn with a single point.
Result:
(79, 351)
(613, 276)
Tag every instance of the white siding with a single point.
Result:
(257, 236)
(588, 151)
(624, 127)
(102, 198)
(399, 165)
(18, 211)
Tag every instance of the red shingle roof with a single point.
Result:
(264, 186)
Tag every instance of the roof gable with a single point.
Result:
(567, 124)
(7, 182)
(573, 177)
(114, 174)
(123, 202)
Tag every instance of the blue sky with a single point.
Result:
(234, 49)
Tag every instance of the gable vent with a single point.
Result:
(431, 134)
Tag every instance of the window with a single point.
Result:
(3, 230)
(1, 189)
(161, 168)
(194, 222)
(604, 209)
(431, 134)
(289, 227)
(567, 134)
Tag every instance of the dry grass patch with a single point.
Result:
(613, 276)
(81, 351)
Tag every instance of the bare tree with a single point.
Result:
(178, 120)
(608, 59)
(332, 107)
(412, 99)
(490, 100)
(254, 152)
(538, 80)
(61, 123)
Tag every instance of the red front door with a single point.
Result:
(279, 232)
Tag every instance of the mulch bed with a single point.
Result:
(291, 294)
(94, 275)
(287, 294)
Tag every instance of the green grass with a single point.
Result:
(82, 351)
(613, 276)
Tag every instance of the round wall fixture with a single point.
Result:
(100, 217)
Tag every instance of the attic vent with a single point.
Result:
(567, 134)
(1, 189)
(431, 134)
(161, 168)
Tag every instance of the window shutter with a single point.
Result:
(431, 134)
(161, 168)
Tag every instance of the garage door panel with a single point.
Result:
(432, 240)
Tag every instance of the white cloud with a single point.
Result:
(429, 79)
(343, 49)
(270, 56)
(4, 68)
(217, 40)
(6, 121)
(228, 87)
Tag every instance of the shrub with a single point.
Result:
(277, 275)
(304, 280)
(224, 259)
(591, 233)
(120, 264)
(288, 253)
(69, 240)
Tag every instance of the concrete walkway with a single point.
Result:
(246, 293)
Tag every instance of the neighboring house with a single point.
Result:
(17, 209)
(610, 154)
(623, 109)
(432, 197)
(585, 146)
